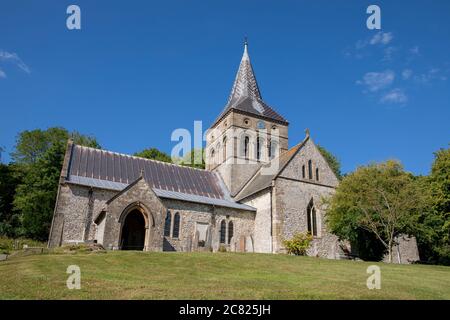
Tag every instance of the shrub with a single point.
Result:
(298, 244)
(222, 248)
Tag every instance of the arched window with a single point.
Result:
(258, 148)
(310, 173)
(167, 224)
(230, 231)
(224, 144)
(273, 149)
(317, 174)
(246, 146)
(212, 159)
(176, 225)
(303, 172)
(223, 230)
(312, 218)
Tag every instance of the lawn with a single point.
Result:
(140, 275)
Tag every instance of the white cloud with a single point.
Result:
(430, 75)
(388, 53)
(394, 96)
(14, 58)
(381, 38)
(406, 74)
(2, 74)
(375, 81)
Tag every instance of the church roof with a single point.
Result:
(245, 95)
(262, 180)
(115, 171)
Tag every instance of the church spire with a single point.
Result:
(245, 84)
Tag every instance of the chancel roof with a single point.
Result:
(115, 171)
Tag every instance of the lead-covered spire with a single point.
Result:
(245, 84)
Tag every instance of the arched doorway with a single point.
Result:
(133, 231)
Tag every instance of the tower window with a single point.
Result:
(258, 148)
(246, 146)
(273, 149)
(317, 174)
(303, 172)
(310, 172)
(224, 149)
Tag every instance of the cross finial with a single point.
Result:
(307, 132)
(245, 41)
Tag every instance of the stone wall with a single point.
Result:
(193, 213)
(75, 209)
(406, 250)
(263, 220)
(292, 195)
(138, 196)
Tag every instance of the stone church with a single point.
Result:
(255, 191)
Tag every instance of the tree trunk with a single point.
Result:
(390, 251)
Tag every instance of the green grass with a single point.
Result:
(140, 275)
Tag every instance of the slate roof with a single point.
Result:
(261, 180)
(115, 171)
(245, 95)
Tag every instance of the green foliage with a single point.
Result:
(380, 198)
(9, 180)
(8, 245)
(38, 158)
(332, 160)
(434, 238)
(35, 197)
(222, 248)
(298, 244)
(195, 159)
(154, 154)
(31, 145)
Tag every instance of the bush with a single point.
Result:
(298, 244)
(7, 244)
(222, 248)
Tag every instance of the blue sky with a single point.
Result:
(137, 70)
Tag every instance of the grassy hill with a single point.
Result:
(140, 275)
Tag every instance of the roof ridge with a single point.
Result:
(146, 159)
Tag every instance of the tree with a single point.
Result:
(38, 156)
(154, 154)
(194, 158)
(437, 220)
(31, 145)
(332, 160)
(379, 198)
(9, 221)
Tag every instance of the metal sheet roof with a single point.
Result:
(113, 171)
(120, 168)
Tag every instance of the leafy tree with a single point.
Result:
(379, 198)
(435, 237)
(154, 154)
(38, 157)
(35, 198)
(332, 160)
(195, 159)
(9, 180)
(30, 145)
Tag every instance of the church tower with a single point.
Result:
(248, 132)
